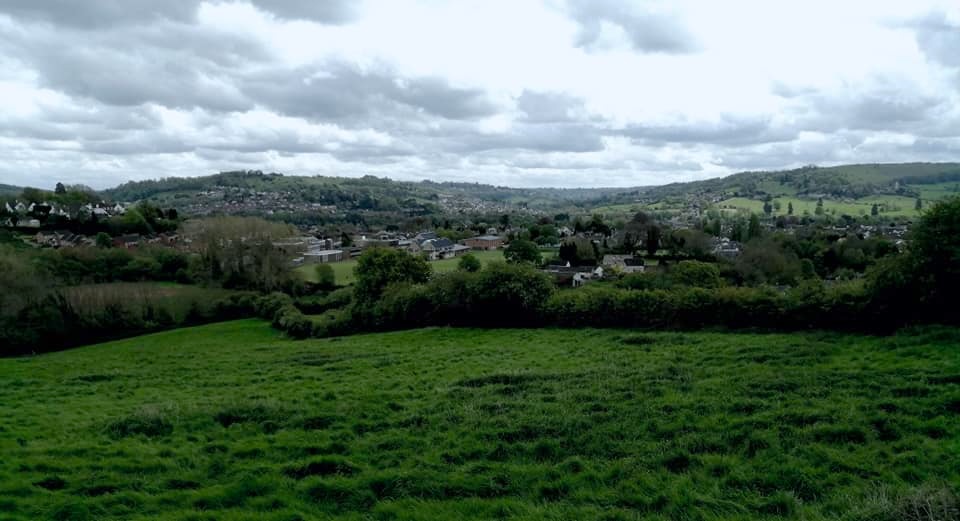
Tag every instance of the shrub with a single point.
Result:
(326, 278)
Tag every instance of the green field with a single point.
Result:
(232, 422)
(889, 205)
(343, 271)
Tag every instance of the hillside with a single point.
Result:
(230, 421)
(10, 190)
(346, 193)
(846, 189)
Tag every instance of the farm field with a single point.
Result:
(233, 422)
(343, 271)
(890, 205)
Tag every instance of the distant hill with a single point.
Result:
(363, 193)
(891, 185)
(10, 190)
(836, 181)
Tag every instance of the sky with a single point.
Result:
(552, 93)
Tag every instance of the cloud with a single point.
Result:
(550, 107)
(125, 89)
(168, 63)
(727, 130)
(938, 37)
(322, 11)
(99, 14)
(648, 27)
(341, 91)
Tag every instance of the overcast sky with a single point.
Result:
(511, 92)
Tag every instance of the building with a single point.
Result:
(484, 242)
(623, 263)
(322, 256)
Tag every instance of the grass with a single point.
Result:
(890, 206)
(232, 422)
(343, 271)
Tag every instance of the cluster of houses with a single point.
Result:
(31, 215)
(611, 266)
(66, 239)
(311, 250)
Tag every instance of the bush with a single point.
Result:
(317, 304)
(326, 278)
(697, 274)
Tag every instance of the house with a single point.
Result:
(575, 276)
(442, 248)
(129, 240)
(725, 247)
(484, 242)
(322, 256)
(623, 263)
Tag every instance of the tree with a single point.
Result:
(378, 268)
(60, 189)
(919, 205)
(345, 240)
(326, 277)
(767, 208)
(696, 273)
(790, 208)
(652, 243)
(469, 263)
(753, 227)
(505, 221)
(819, 210)
(521, 251)
(578, 251)
(239, 252)
(936, 248)
(104, 240)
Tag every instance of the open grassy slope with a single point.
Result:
(231, 422)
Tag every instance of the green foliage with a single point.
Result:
(443, 423)
(326, 278)
(521, 251)
(377, 268)
(103, 240)
(696, 274)
(578, 251)
(469, 263)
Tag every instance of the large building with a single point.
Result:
(484, 242)
(322, 256)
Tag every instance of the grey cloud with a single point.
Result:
(171, 64)
(323, 11)
(341, 91)
(731, 130)
(550, 107)
(98, 14)
(648, 30)
(938, 38)
(882, 105)
(542, 137)
(93, 14)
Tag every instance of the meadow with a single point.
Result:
(343, 271)
(233, 422)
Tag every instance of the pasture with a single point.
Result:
(233, 422)
(343, 271)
